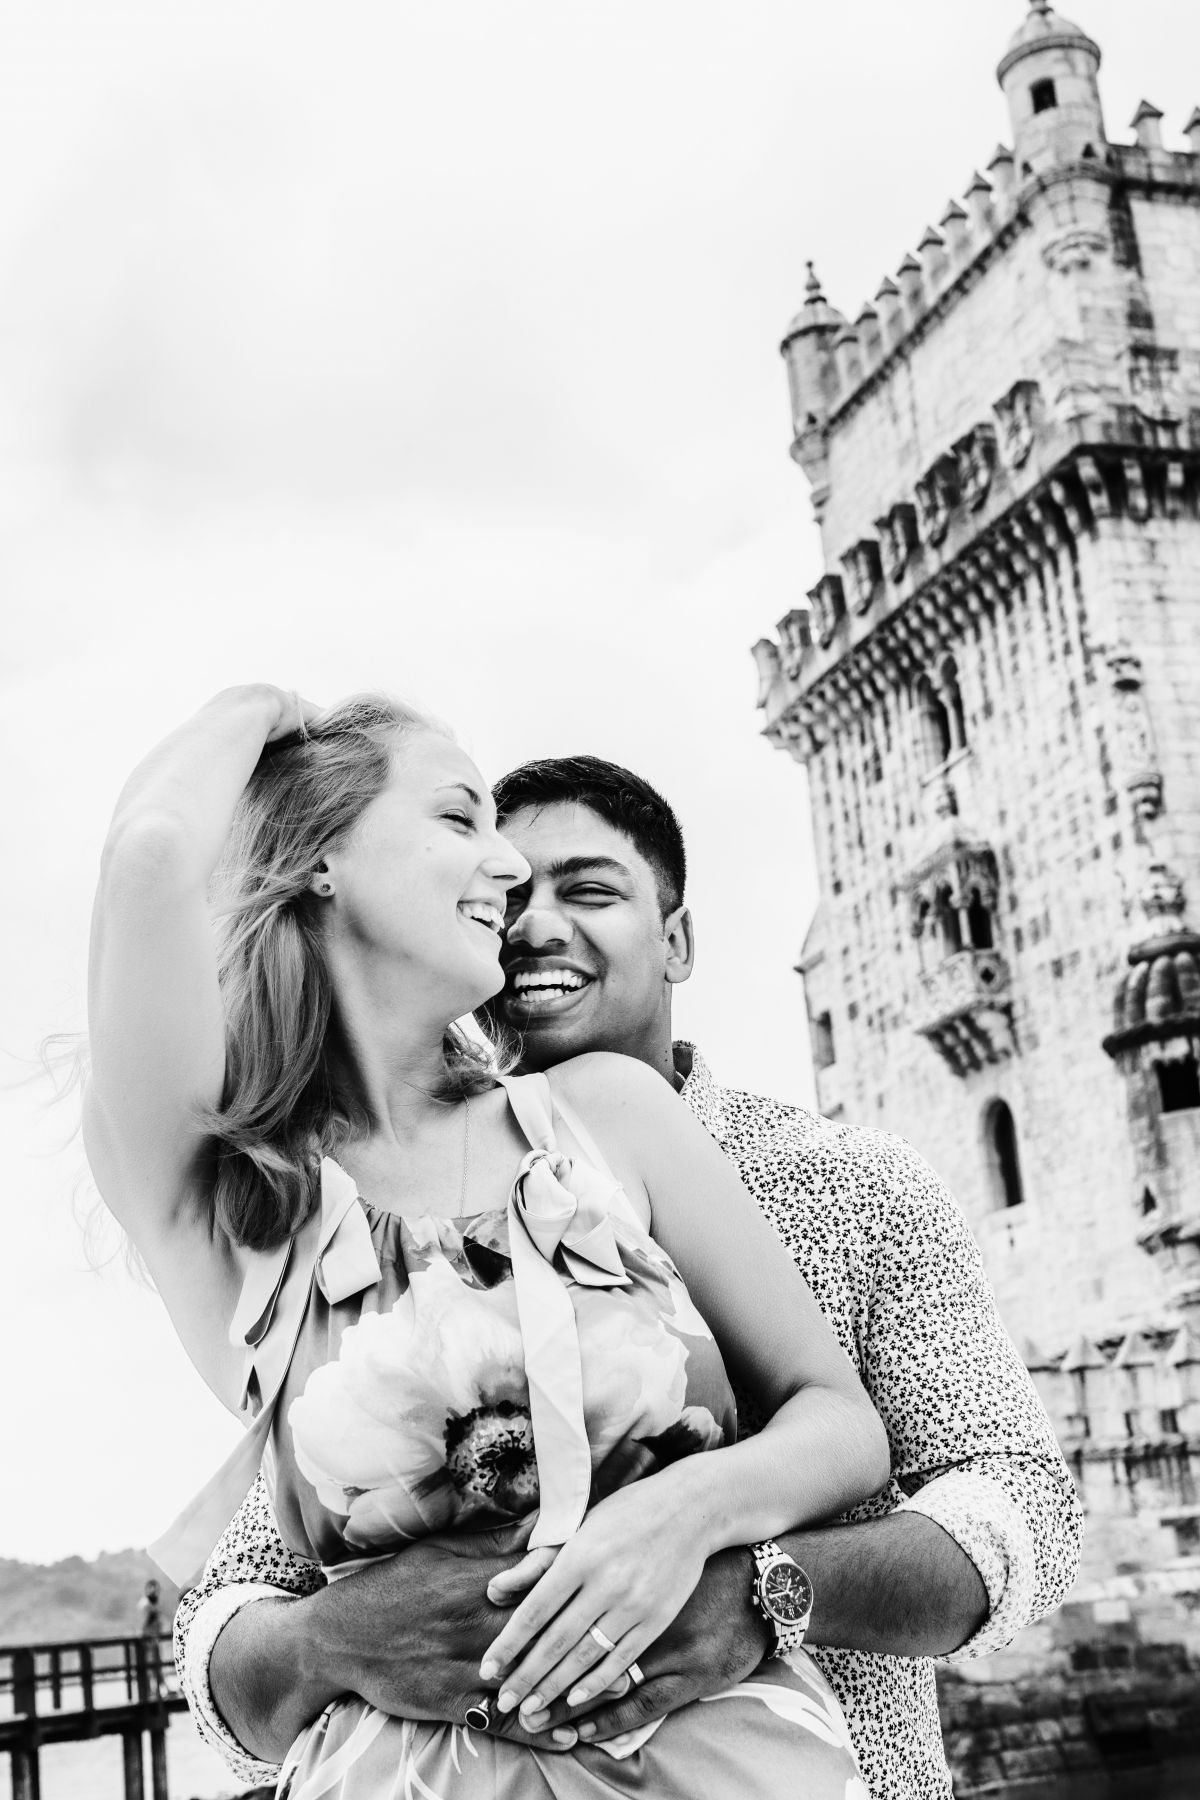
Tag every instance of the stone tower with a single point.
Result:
(995, 691)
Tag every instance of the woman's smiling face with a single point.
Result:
(420, 884)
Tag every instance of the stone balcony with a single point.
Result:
(964, 1008)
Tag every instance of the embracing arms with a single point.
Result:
(154, 1009)
(984, 1529)
(640, 1552)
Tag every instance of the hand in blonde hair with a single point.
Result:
(295, 714)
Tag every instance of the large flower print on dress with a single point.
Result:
(424, 1415)
(423, 1420)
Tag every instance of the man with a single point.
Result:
(978, 1530)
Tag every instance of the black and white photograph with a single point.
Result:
(600, 1042)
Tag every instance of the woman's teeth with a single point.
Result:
(483, 913)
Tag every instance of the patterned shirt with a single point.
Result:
(894, 1268)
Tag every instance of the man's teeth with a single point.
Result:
(553, 980)
(484, 914)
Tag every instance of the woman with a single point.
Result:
(464, 1319)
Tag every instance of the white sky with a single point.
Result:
(432, 348)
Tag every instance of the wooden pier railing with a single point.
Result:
(107, 1687)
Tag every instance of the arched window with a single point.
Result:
(1044, 96)
(979, 923)
(1000, 1149)
(821, 1032)
(949, 924)
(935, 724)
(953, 706)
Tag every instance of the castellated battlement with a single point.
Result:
(848, 361)
(1053, 310)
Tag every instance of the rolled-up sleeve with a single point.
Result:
(972, 1445)
(250, 1563)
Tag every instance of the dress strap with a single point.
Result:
(333, 1251)
(560, 1231)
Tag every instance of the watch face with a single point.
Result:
(787, 1593)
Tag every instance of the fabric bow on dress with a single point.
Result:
(560, 1224)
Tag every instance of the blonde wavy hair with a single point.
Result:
(289, 1095)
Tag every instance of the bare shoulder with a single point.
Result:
(603, 1082)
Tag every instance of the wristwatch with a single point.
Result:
(783, 1595)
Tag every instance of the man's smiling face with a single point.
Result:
(588, 958)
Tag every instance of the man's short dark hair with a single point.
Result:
(619, 797)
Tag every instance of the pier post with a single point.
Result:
(158, 1765)
(26, 1775)
(131, 1747)
(26, 1778)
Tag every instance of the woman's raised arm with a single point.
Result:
(154, 1008)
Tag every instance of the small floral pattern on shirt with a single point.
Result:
(893, 1266)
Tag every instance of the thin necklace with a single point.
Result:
(466, 1157)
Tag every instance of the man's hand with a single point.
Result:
(718, 1639)
(895, 1586)
(406, 1634)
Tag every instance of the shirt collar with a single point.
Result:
(697, 1087)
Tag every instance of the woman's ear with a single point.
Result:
(321, 881)
(681, 944)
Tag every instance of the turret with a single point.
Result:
(813, 381)
(1049, 79)
(805, 349)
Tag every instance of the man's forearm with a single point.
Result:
(405, 1633)
(896, 1586)
(264, 1675)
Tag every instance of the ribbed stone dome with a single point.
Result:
(1041, 29)
(1159, 997)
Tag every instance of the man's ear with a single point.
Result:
(681, 944)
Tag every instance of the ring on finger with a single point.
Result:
(606, 1644)
(635, 1674)
(479, 1714)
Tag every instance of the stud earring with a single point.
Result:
(325, 887)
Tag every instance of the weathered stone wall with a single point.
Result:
(1056, 744)
(1039, 782)
(1002, 327)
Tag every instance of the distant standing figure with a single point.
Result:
(150, 1618)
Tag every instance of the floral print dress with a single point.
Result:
(460, 1374)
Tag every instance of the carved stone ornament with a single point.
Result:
(964, 1009)
(898, 537)
(1154, 388)
(976, 456)
(1017, 416)
(958, 870)
(770, 672)
(864, 572)
(1163, 901)
(1136, 756)
(828, 603)
(937, 497)
(795, 638)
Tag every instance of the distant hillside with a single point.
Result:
(40, 1602)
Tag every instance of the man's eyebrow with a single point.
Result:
(584, 865)
(462, 788)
